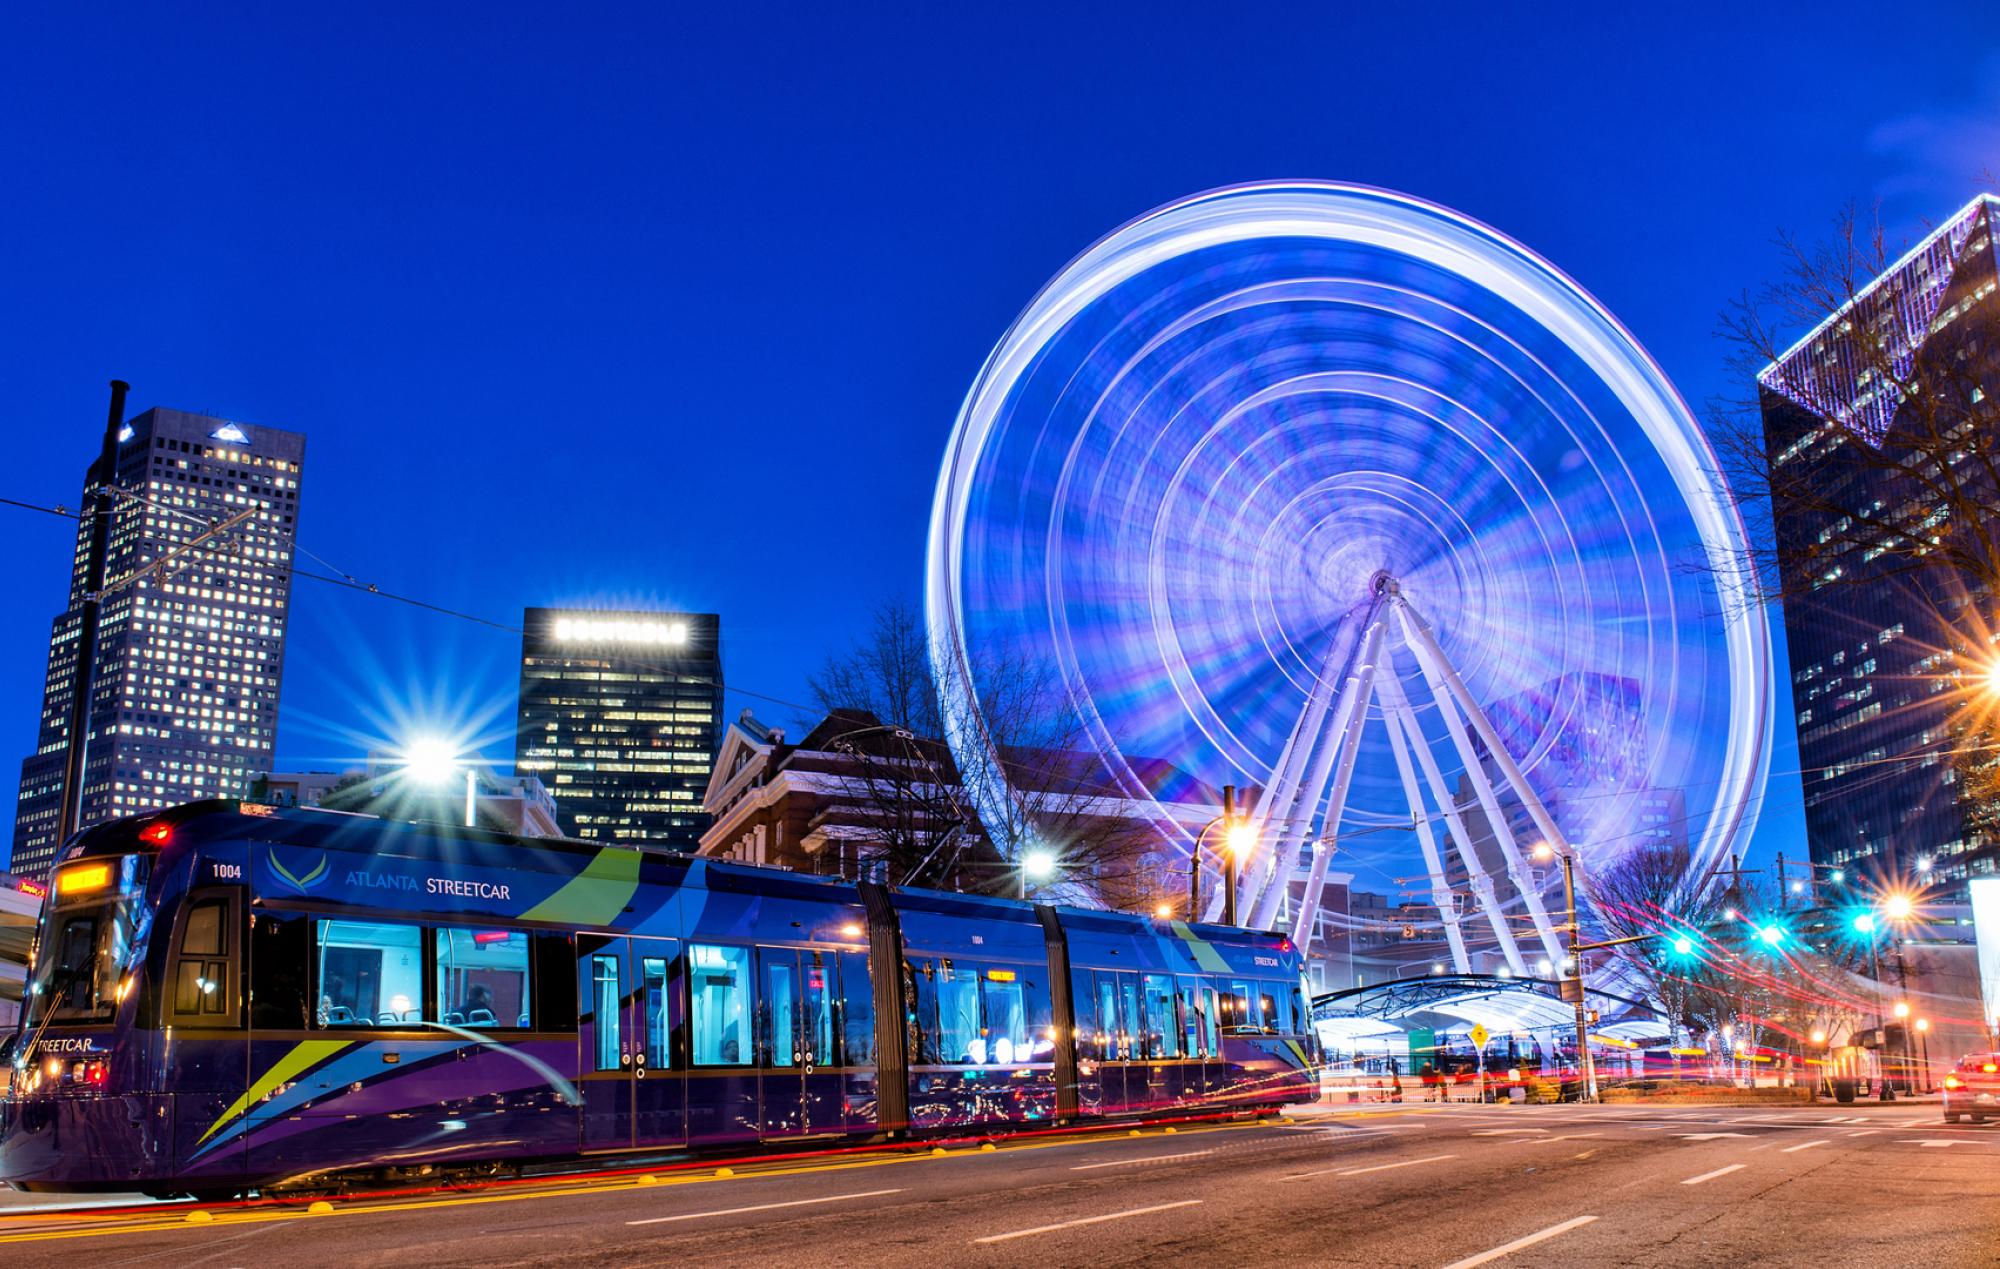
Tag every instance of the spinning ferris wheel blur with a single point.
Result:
(1277, 469)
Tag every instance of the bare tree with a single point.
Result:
(1031, 783)
(1866, 458)
(1888, 394)
(1777, 992)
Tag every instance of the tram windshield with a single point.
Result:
(90, 925)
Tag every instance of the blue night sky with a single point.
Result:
(675, 307)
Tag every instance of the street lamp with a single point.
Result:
(1037, 865)
(433, 760)
(1239, 838)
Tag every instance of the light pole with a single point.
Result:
(1238, 837)
(1924, 1038)
(1573, 971)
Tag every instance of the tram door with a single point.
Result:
(628, 1017)
(800, 1089)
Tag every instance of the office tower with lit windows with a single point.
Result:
(189, 630)
(1874, 659)
(619, 717)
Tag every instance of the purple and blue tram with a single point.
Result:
(229, 997)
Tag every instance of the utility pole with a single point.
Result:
(1573, 981)
(97, 507)
(1228, 855)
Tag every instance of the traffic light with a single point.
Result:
(1772, 935)
(1683, 945)
(1863, 923)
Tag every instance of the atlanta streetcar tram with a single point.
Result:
(229, 997)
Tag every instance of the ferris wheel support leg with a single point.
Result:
(1362, 686)
(1475, 871)
(1262, 895)
(1277, 809)
(1441, 894)
(1439, 675)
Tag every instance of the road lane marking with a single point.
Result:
(1710, 1136)
(1087, 1220)
(1865, 1132)
(1710, 1176)
(1154, 1158)
(1407, 1163)
(1502, 1132)
(761, 1207)
(1931, 1143)
(1803, 1145)
(1508, 1249)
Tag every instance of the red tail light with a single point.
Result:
(96, 1072)
(1991, 1068)
(156, 833)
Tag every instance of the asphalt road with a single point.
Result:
(1416, 1185)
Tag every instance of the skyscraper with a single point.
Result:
(1870, 657)
(188, 640)
(620, 716)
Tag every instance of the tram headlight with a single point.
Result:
(53, 1068)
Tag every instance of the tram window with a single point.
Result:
(781, 1008)
(371, 973)
(555, 980)
(201, 973)
(1162, 1035)
(482, 978)
(1267, 1007)
(656, 1018)
(1192, 1020)
(607, 1004)
(959, 1038)
(1006, 1016)
(857, 1010)
(1107, 1017)
(1212, 1020)
(719, 989)
(1128, 1018)
(1236, 1006)
(278, 961)
(822, 973)
(920, 983)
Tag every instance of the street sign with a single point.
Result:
(1480, 1035)
(1571, 991)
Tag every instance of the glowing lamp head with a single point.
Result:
(1923, 1024)
(1899, 907)
(1543, 852)
(1039, 865)
(1902, 1009)
(1684, 946)
(430, 760)
(1771, 935)
(1818, 1036)
(1240, 837)
(1924, 865)
(1839, 875)
(1163, 910)
(1864, 923)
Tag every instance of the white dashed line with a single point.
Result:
(1508, 1249)
(1087, 1220)
(1151, 1158)
(762, 1207)
(1710, 1176)
(1803, 1145)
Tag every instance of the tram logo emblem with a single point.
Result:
(304, 880)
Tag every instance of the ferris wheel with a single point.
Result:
(1338, 495)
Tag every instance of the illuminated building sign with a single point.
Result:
(619, 630)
